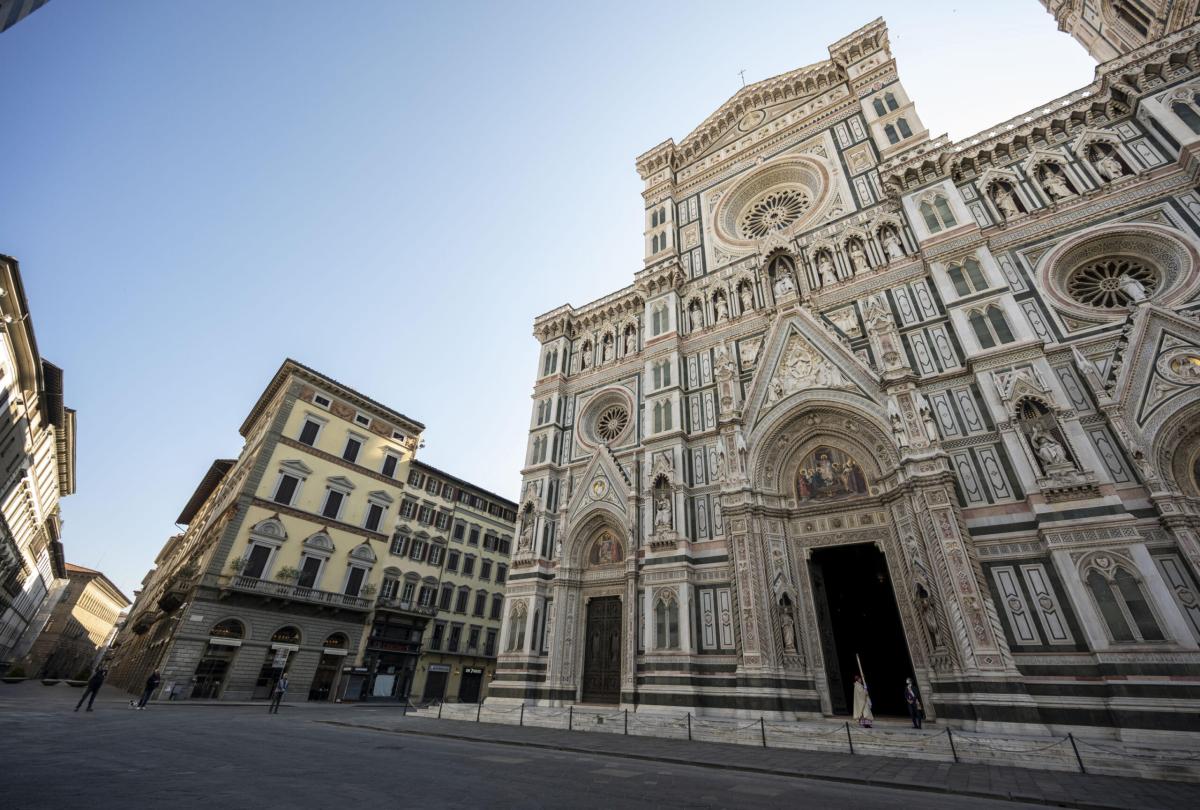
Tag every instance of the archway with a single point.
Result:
(597, 550)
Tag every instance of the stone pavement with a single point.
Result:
(964, 779)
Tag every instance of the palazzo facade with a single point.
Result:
(884, 403)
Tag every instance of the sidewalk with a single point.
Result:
(966, 779)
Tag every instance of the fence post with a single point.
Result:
(404, 707)
(522, 723)
(950, 737)
(762, 727)
(689, 726)
(627, 722)
(440, 705)
(571, 717)
(478, 711)
(1075, 747)
(849, 739)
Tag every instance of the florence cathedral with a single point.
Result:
(885, 403)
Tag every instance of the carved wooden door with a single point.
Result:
(602, 656)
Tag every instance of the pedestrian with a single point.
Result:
(915, 710)
(151, 685)
(277, 693)
(93, 686)
(862, 704)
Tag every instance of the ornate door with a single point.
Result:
(602, 656)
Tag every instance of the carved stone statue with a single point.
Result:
(858, 258)
(892, 245)
(747, 298)
(926, 412)
(525, 543)
(788, 622)
(825, 270)
(694, 317)
(630, 342)
(1056, 188)
(605, 351)
(721, 307)
(585, 356)
(739, 445)
(1048, 449)
(1109, 167)
(722, 459)
(783, 284)
(723, 361)
(899, 432)
(929, 617)
(1134, 290)
(1005, 200)
(662, 512)
(802, 367)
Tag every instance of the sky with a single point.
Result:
(387, 191)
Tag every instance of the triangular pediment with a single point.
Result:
(801, 355)
(1156, 376)
(603, 483)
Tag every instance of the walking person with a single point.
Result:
(277, 693)
(151, 685)
(915, 710)
(93, 686)
(862, 704)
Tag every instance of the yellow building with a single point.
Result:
(86, 608)
(37, 455)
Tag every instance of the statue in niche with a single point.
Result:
(892, 245)
(722, 459)
(926, 413)
(899, 433)
(662, 512)
(1042, 431)
(825, 269)
(1106, 163)
(858, 257)
(606, 349)
(1048, 448)
(739, 446)
(928, 613)
(585, 354)
(787, 620)
(695, 319)
(783, 284)
(630, 341)
(1134, 290)
(1006, 200)
(747, 298)
(722, 309)
(1055, 186)
(526, 541)
(723, 361)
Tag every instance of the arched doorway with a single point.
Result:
(284, 643)
(225, 637)
(333, 655)
(603, 558)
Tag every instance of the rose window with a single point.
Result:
(611, 422)
(1112, 283)
(774, 212)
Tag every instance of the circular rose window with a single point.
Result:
(773, 211)
(611, 422)
(1112, 283)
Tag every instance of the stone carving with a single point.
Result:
(722, 309)
(695, 316)
(858, 257)
(1048, 449)
(1006, 200)
(1133, 288)
(783, 284)
(630, 341)
(885, 338)
(787, 621)
(1053, 184)
(802, 367)
(892, 245)
(1107, 165)
(747, 298)
(825, 269)
(606, 349)
(739, 446)
(928, 613)
(722, 460)
(585, 353)
(525, 542)
(662, 513)
(896, 420)
(926, 413)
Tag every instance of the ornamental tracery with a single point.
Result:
(773, 211)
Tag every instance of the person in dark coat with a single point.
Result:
(915, 710)
(151, 685)
(281, 687)
(93, 686)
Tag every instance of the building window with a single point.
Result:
(473, 638)
(354, 580)
(418, 551)
(435, 640)
(1124, 606)
(256, 559)
(408, 509)
(389, 465)
(452, 561)
(399, 544)
(447, 596)
(323, 401)
(426, 596)
(435, 554)
(434, 486)
(442, 521)
(374, 517)
(310, 431)
(501, 574)
(460, 604)
(473, 540)
(425, 515)
(389, 588)
(890, 132)
(485, 570)
(990, 326)
(480, 603)
(506, 542)
(666, 618)
(460, 531)
(891, 101)
(468, 567)
(407, 592)
(662, 416)
(455, 637)
(362, 419)
(285, 490)
(905, 130)
(937, 214)
(880, 110)
(490, 645)
(516, 627)
(659, 320)
(967, 277)
(333, 504)
(497, 605)
(310, 572)
(415, 478)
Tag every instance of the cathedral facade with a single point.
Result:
(884, 404)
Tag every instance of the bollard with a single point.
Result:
(478, 711)
(440, 705)
(950, 737)
(762, 726)
(849, 739)
(689, 726)
(1074, 747)
(627, 722)
(571, 717)
(404, 708)
(522, 723)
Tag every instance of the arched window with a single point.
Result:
(1187, 115)
(990, 326)
(905, 129)
(516, 628)
(879, 108)
(937, 214)
(654, 244)
(890, 131)
(891, 101)
(286, 635)
(337, 641)
(654, 219)
(658, 319)
(967, 278)
(982, 333)
(999, 324)
(229, 628)
(666, 623)
(942, 206)
(956, 278)
(1123, 605)
(658, 417)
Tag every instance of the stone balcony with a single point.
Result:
(401, 606)
(287, 592)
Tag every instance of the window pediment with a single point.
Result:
(296, 467)
(340, 482)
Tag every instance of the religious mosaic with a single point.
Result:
(828, 473)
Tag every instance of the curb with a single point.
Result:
(744, 768)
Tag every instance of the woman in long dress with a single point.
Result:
(862, 704)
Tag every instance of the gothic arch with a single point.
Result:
(1177, 450)
(596, 519)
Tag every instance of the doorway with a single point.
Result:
(468, 687)
(859, 622)
(435, 683)
(326, 674)
(602, 655)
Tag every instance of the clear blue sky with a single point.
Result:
(389, 192)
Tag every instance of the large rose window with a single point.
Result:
(611, 422)
(777, 198)
(1112, 283)
(773, 211)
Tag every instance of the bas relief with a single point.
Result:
(828, 474)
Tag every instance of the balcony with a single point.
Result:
(294, 593)
(402, 606)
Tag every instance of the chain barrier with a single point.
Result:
(1174, 755)
(973, 741)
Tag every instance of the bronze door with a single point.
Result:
(602, 657)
